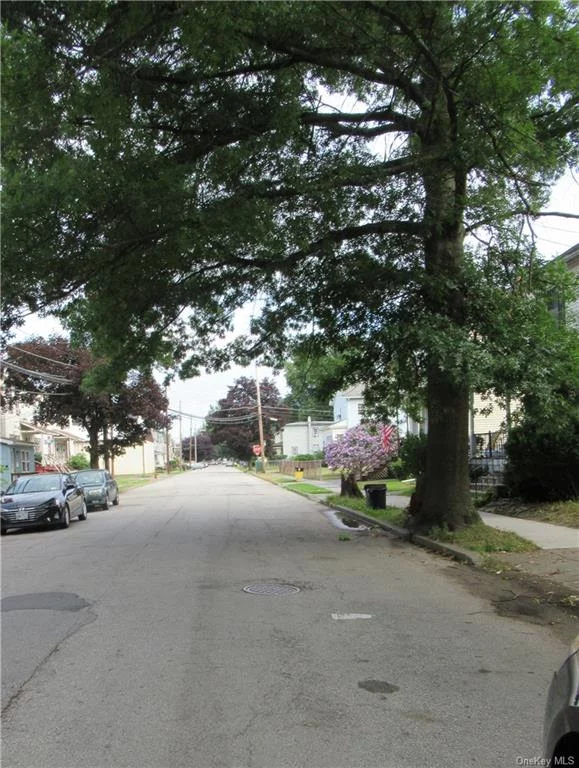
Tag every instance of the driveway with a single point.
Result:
(129, 642)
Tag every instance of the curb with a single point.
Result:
(458, 553)
(473, 558)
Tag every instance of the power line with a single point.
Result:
(53, 378)
(41, 357)
(41, 394)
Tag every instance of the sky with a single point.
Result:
(196, 396)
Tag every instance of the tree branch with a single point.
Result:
(402, 122)
(323, 58)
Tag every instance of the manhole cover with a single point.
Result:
(271, 589)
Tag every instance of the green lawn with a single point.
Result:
(393, 515)
(306, 488)
(133, 481)
(397, 487)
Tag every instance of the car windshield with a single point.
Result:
(36, 483)
(89, 478)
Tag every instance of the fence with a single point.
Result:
(487, 462)
(312, 469)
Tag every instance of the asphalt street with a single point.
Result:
(128, 641)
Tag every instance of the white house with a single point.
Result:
(348, 406)
(146, 458)
(301, 437)
(571, 259)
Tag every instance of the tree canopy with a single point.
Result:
(167, 162)
(49, 374)
(233, 424)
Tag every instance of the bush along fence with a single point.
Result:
(312, 469)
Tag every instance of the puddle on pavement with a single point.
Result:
(345, 523)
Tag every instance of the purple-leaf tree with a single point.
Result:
(358, 452)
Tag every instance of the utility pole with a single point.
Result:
(260, 421)
(180, 438)
(195, 438)
(191, 440)
(167, 452)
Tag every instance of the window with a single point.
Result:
(360, 409)
(23, 459)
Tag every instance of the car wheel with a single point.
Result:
(107, 503)
(116, 501)
(65, 518)
(84, 512)
(4, 531)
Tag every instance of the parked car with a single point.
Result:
(100, 488)
(561, 726)
(43, 499)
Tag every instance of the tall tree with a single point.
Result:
(175, 158)
(313, 376)
(49, 374)
(200, 446)
(234, 422)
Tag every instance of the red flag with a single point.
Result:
(387, 431)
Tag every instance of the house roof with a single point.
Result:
(9, 441)
(571, 256)
(28, 427)
(356, 390)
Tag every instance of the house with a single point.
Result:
(303, 437)
(571, 260)
(144, 459)
(348, 406)
(16, 458)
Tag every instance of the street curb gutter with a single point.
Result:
(473, 558)
(464, 555)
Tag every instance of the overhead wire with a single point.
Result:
(37, 374)
(41, 357)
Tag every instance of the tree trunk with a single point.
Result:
(106, 453)
(93, 442)
(443, 496)
(349, 486)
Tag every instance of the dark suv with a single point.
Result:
(100, 489)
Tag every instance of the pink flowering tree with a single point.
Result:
(358, 452)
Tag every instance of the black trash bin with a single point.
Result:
(375, 496)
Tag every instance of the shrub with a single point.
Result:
(79, 461)
(397, 469)
(543, 459)
(412, 454)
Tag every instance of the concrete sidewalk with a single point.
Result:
(544, 535)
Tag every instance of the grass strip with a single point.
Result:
(393, 515)
(133, 481)
(306, 488)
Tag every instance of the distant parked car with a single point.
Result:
(561, 726)
(44, 499)
(100, 488)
